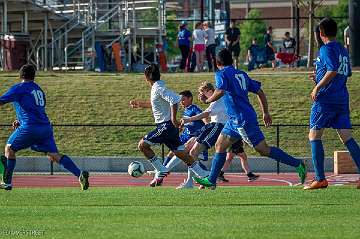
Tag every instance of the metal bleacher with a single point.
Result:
(62, 34)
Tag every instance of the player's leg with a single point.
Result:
(9, 163)
(168, 157)
(229, 157)
(174, 160)
(245, 165)
(353, 147)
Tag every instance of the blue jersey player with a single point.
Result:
(234, 85)
(330, 97)
(32, 128)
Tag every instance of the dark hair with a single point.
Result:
(233, 21)
(317, 36)
(152, 72)
(224, 57)
(287, 33)
(328, 27)
(186, 93)
(270, 28)
(27, 72)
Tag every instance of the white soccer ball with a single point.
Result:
(136, 169)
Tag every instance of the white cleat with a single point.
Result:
(185, 185)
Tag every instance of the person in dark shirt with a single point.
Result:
(183, 42)
(289, 43)
(252, 54)
(270, 50)
(232, 39)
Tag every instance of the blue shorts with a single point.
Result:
(250, 132)
(39, 138)
(165, 133)
(329, 116)
(209, 134)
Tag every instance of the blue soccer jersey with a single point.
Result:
(192, 128)
(29, 103)
(237, 85)
(333, 57)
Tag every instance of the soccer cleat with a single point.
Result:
(252, 177)
(5, 186)
(222, 178)
(84, 180)
(158, 179)
(358, 186)
(2, 168)
(317, 184)
(204, 181)
(201, 187)
(301, 169)
(185, 185)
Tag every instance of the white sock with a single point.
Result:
(195, 167)
(189, 179)
(156, 163)
(172, 163)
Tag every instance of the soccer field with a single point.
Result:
(138, 212)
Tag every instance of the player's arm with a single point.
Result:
(140, 104)
(264, 107)
(174, 109)
(218, 93)
(202, 115)
(173, 100)
(329, 75)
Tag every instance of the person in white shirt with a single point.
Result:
(210, 46)
(164, 104)
(199, 37)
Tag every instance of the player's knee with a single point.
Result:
(9, 153)
(219, 147)
(142, 145)
(193, 153)
(54, 157)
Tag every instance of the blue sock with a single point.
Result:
(282, 157)
(206, 155)
(216, 166)
(9, 170)
(354, 150)
(166, 160)
(68, 164)
(317, 154)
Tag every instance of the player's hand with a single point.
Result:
(267, 120)
(314, 93)
(313, 77)
(134, 104)
(202, 98)
(15, 124)
(184, 121)
(176, 123)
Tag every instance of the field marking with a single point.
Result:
(267, 179)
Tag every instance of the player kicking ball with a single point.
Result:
(32, 129)
(233, 86)
(331, 101)
(164, 104)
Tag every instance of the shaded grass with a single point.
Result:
(89, 98)
(250, 212)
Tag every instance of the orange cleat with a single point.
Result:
(317, 184)
(358, 186)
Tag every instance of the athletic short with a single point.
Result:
(329, 116)
(38, 138)
(237, 147)
(235, 50)
(209, 134)
(270, 54)
(250, 132)
(199, 47)
(165, 133)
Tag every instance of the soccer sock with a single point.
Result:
(205, 155)
(189, 176)
(166, 160)
(216, 166)
(172, 163)
(281, 156)
(195, 167)
(68, 164)
(354, 150)
(156, 163)
(203, 166)
(9, 170)
(318, 157)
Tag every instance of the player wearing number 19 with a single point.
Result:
(32, 129)
(234, 85)
(331, 101)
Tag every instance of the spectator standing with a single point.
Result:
(199, 36)
(252, 52)
(232, 39)
(289, 43)
(210, 46)
(183, 42)
(270, 50)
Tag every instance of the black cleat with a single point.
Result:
(84, 180)
(222, 178)
(5, 186)
(252, 177)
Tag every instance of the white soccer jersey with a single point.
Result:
(161, 100)
(217, 111)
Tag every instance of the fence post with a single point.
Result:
(162, 152)
(51, 167)
(277, 145)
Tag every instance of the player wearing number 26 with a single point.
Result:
(32, 128)
(330, 97)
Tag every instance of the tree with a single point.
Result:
(171, 34)
(252, 28)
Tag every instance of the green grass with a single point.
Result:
(90, 98)
(238, 212)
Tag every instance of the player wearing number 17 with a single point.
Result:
(32, 129)
(331, 101)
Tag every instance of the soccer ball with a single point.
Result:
(136, 169)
